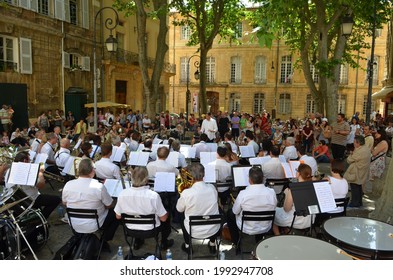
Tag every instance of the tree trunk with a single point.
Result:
(203, 82)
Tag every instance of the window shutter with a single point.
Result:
(85, 14)
(24, 4)
(85, 63)
(59, 9)
(34, 5)
(67, 16)
(26, 64)
(66, 60)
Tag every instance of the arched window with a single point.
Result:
(259, 103)
(284, 103)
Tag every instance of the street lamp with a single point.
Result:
(111, 46)
(196, 77)
(346, 25)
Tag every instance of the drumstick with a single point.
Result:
(339, 251)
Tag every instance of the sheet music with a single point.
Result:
(282, 158)
(207, 157)
(138, 158)
(212, 147)
(188, 151)
(173, 159)
(247, 151)
(325, 196)
(77, 145)
(23, 173)
(259, 160)
(117, 154)
(114, 186)
(41, 158)
(211, 174)
(240, 176)
(164, 182)
(294, 166)
(140, 147)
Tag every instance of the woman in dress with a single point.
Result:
(354, 130)
(325, 131)
(379, 151)
(284, 215)
(308, 132)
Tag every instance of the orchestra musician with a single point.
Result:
(62, 155)
(49, 149)
(105, 168)
(273, 169)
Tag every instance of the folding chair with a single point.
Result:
(257, 216)
(130, 234)
(202, 221)
(279, 185)
(78, 213)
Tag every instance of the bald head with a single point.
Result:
(65, 143)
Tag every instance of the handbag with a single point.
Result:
(327, 133)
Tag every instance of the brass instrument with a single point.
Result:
(186, 180)
(52, 176)
(123, 184)
(77, 160)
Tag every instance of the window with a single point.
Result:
(210, 70)
(286, 69)
(259, 103)
(43, 7)
(341, 103)
(73, 12)
(260, 70)
(75, 62)
(85, 14)
(310, 104)
(185, 32)
(314, 73)
(8, 53)
(284, 103)
(183, 69)
(343, 78)
(239, 30)
(365, 104)
(234, 102)
(235, 70)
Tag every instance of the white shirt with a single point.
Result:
(35, 145)
(200, 199)
(160, 166)
(133, 146)
(290, 152)
(61, 158)
(273, 169)
(254, 145)
(140, 201)
(50, 151)
(224, 170)
(87, 193)
(339, 190)
(105, 169)
(209, 127)
(310, 161)
(254, 198)
(201, 147)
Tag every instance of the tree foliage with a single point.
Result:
(312, 29)
(156, 10)
(207, 20)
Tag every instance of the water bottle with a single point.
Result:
(119, 255)
(222, 255)
(168, 255)
(60, 211)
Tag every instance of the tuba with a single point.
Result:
(186, 180)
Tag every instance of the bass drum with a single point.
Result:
(35, 228)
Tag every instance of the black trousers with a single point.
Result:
(357, 193)
(47, 203)
(338, 151)
(110, 225)
(234, 230)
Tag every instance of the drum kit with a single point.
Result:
(21, 227)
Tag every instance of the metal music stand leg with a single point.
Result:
(19, 231)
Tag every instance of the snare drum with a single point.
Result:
(15, 194)
(293, 247)
(361, 237)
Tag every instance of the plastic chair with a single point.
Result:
(202, 221)
(257, 216)
(130, 234)
(85, 214)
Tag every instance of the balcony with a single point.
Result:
(131, 58)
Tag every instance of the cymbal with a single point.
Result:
(10, 205)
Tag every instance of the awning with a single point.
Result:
(107, 104)
(383, 92)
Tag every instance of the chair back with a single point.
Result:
(257, 216)
(139, 219)
(204, 220)
(277, 184)
(342, 202)
(82, 214)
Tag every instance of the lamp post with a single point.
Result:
(370, 68)
(196, 76)
(111, 46)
